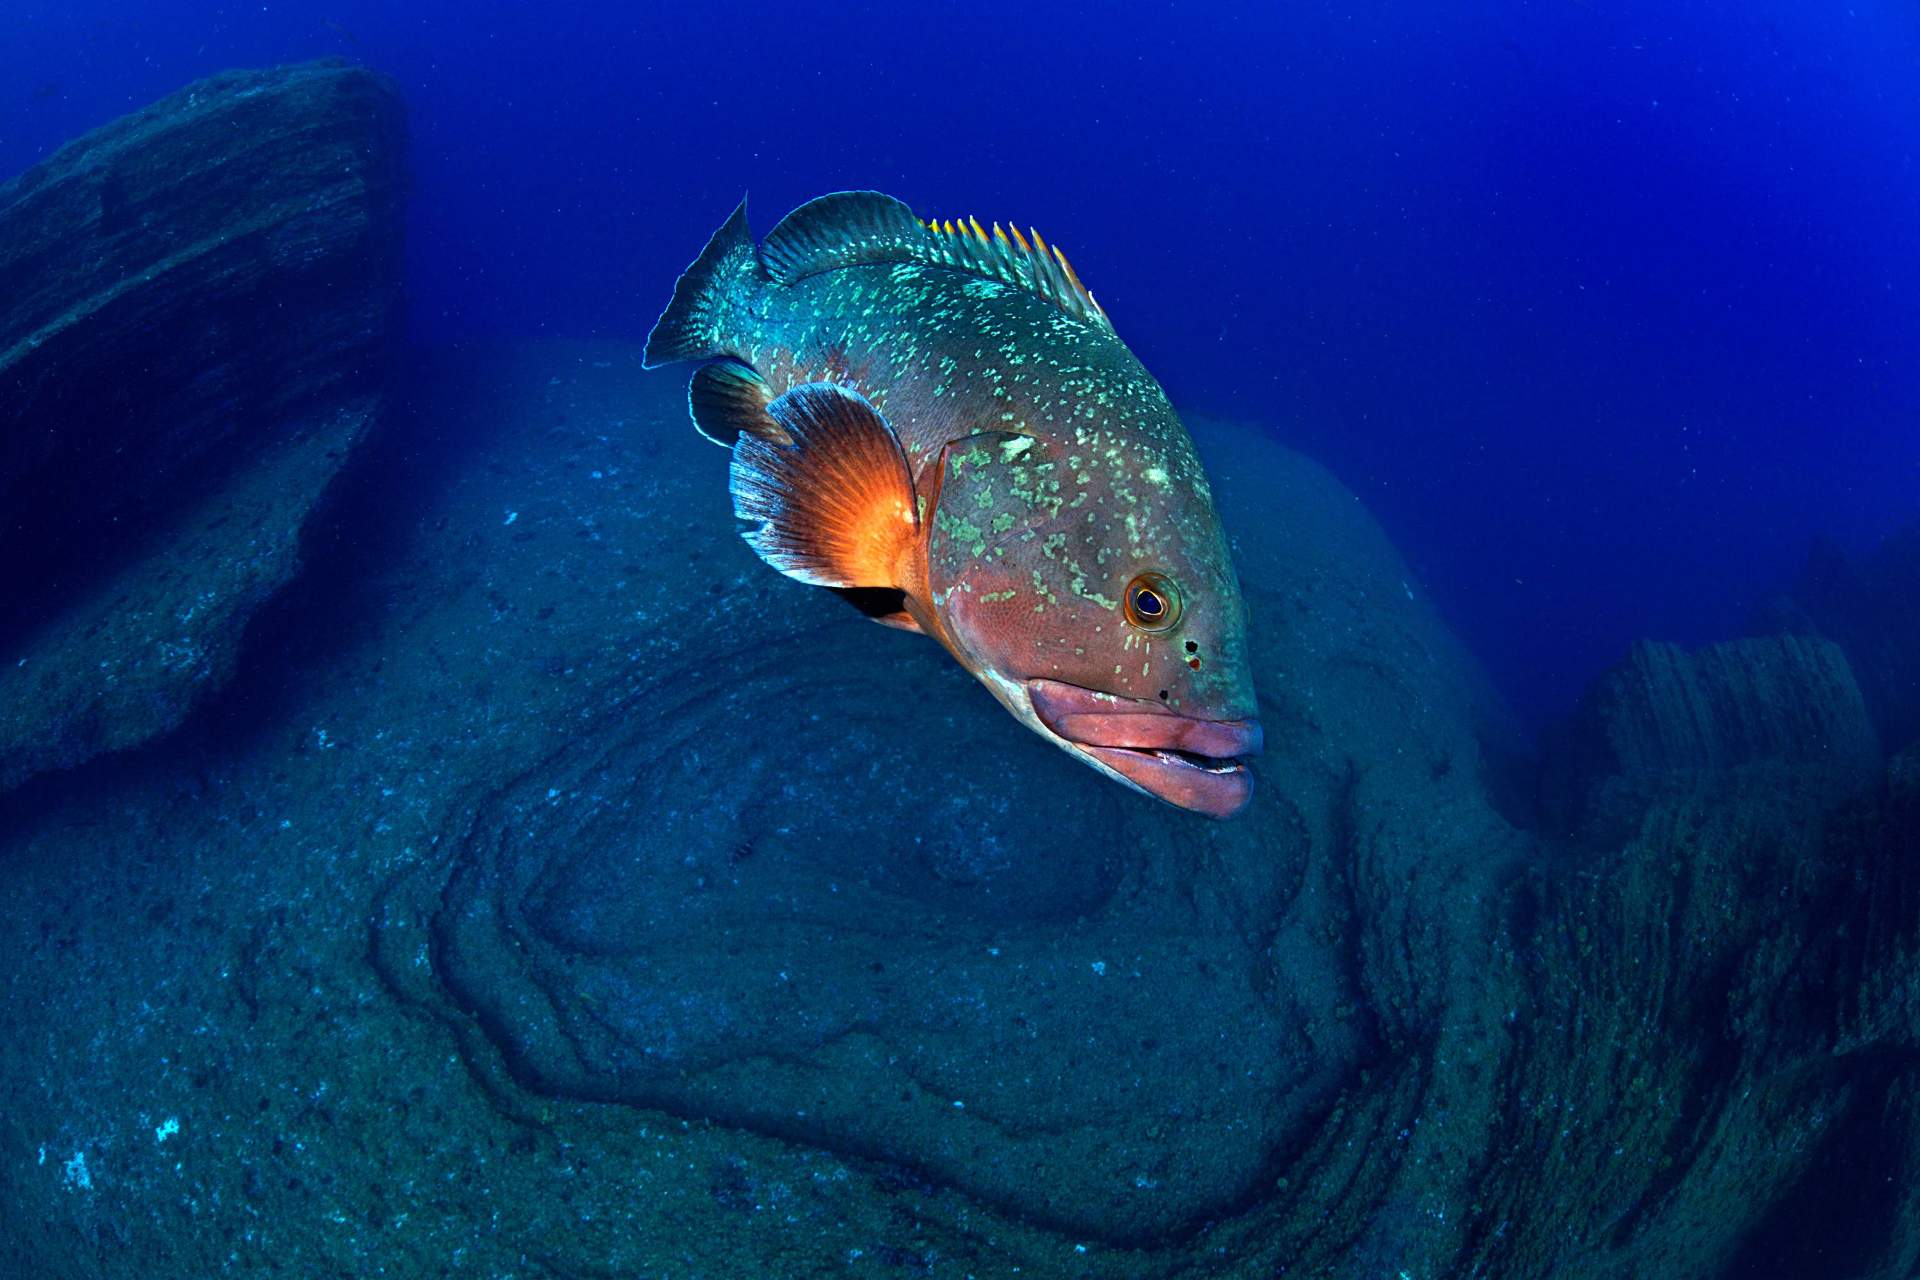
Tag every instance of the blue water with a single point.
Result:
(1606, 310)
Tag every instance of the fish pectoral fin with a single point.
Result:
(832, 504)
(728, 398)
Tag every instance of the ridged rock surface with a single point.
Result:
(1869, 605)
(793, 875)
(1706, 997)
(195, 306)
(1781, 704)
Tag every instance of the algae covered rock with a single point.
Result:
(195, 309)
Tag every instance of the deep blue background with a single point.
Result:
(1605, 310)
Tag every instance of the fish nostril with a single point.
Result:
(1193, 646)
(1163, 695)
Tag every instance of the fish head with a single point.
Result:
(1099, 604)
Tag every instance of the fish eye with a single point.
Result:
(1152, 602)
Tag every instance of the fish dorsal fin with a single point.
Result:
(844, 229)
(1030, 264)
(850, 228)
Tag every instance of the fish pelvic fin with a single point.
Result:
(696, 325)
(728, 397)
(833, 504)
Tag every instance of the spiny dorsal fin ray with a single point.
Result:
(1035, 265)
(849, 228)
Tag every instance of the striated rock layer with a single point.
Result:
(1870, 606)
(195, 309)
(1786, 707)
(1687, 993)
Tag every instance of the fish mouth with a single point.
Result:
(1184, 760)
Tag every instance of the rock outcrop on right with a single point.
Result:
(1781, 706)
(1715, 988)
(1870, 606)
(196, 305)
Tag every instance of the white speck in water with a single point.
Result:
(511, 517)
(1100, 968)
(166, 1129)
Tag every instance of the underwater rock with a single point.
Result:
(1701, 1014)
(800, 879)
(558, 886)
(1783, 703)
(1870, 606)
(195, 305)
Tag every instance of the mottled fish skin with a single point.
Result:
(1026, 576)
(1050, 472)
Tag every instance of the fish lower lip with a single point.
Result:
(1181, 759)
(1214, 786)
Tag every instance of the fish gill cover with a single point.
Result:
(433, 840)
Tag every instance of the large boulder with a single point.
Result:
(801, 877)
(584, 870)
(195, 308)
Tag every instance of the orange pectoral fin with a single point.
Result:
(833, 505)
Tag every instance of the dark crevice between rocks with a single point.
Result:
(70, 556)
(1845, 1214)
(363, 527)
(348, 531)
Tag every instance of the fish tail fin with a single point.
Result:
(696, 324)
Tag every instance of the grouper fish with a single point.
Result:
(938, 423)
